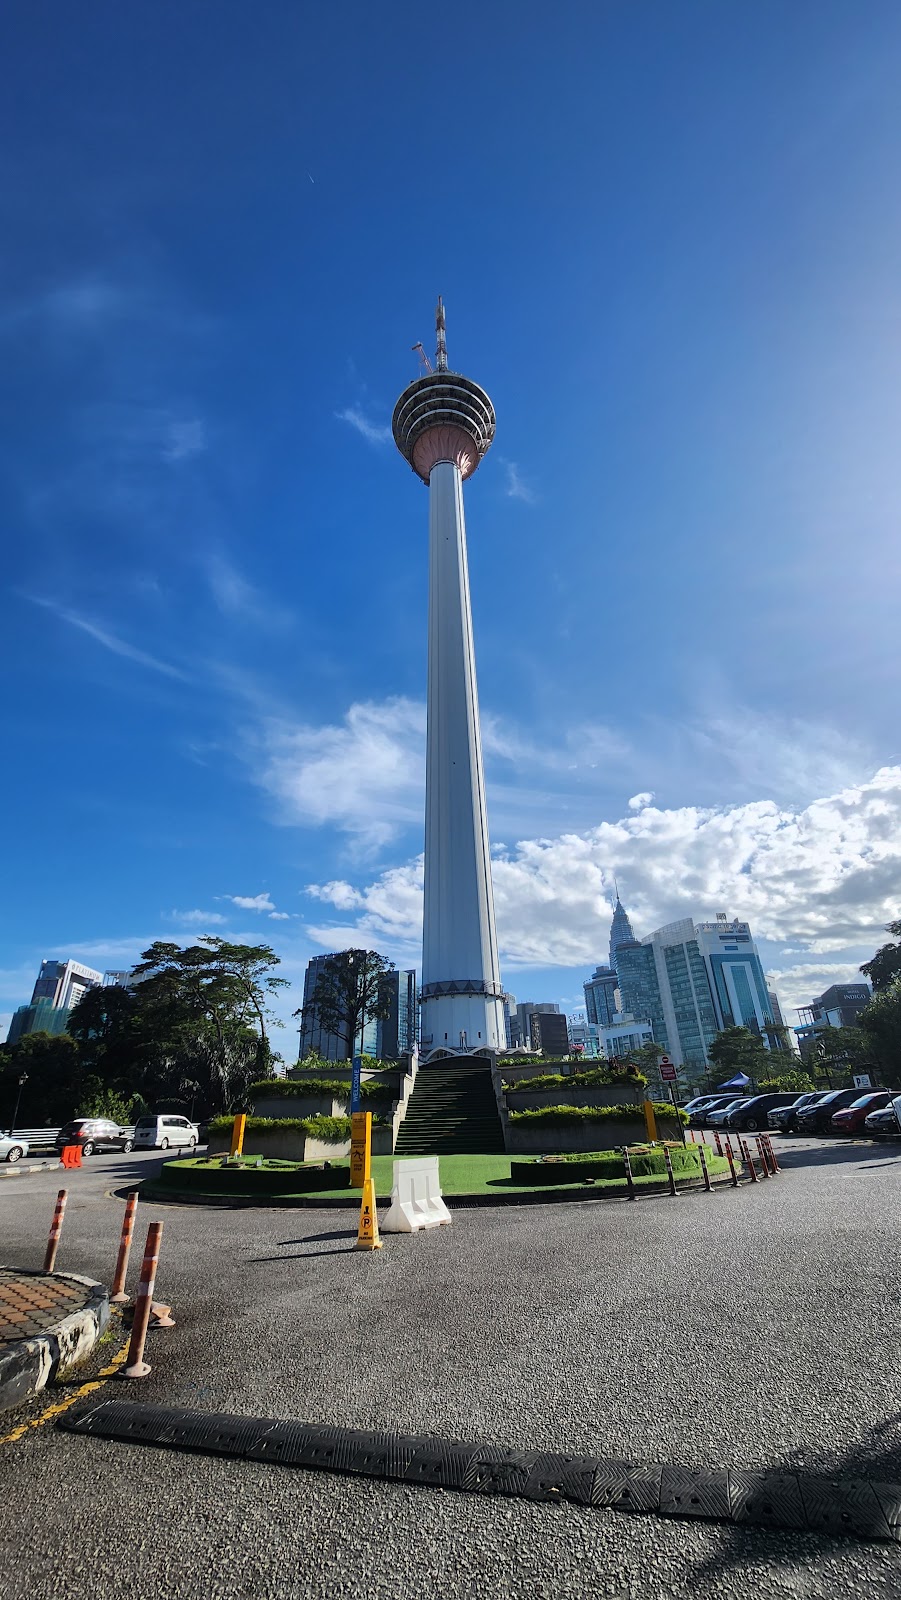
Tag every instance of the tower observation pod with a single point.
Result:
(443, 424)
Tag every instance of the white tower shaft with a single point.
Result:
(462, 997)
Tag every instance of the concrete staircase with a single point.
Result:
(452, 1111)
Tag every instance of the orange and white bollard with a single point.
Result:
(761, 1156)
(118, 1297)
(56, 1228)
(774, 1165)
(669, 1170)
(731, 1160)
(703, 1154)
(716, 1140)
(137, 1367)
(630, 1181)
(749, 1159)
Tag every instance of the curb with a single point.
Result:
(161, 1194)
(27, 1365)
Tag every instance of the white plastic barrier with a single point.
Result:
(415, 1198)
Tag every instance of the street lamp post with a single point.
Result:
(22, 1081)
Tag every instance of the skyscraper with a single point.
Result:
(58, 988)
(620, 929)
(443, 425)
(600, 996)
(387, 1037)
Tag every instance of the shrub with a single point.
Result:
(597, 1078)
(646, 1163)
(338, 1088)
(331, 1130)
(630, 1113)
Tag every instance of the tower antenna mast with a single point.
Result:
(440, 327)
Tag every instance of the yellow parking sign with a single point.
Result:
(360, 1148)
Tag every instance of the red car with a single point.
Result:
(851, 1118)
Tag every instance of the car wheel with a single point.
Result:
(128, 1146)
(192, 1143)
(752, 1124)
(87, 1149)
(15, 1154)
(164, 1144)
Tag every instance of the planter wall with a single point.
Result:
(558, 1138)
(288, 1146)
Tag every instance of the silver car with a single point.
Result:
(12, 1147)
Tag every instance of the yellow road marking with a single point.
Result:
(56, 1410)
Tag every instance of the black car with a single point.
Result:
(94, 1134)
(753, 1114)
(817, 1118)
(698, 1117)
(783, 1119)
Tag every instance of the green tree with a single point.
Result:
(839, 1053)
(349, 992)
(885, 966)
(796, 1080)
(55, 1077)
(881, 1023)
(738, 1050)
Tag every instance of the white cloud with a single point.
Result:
(826, 877)
(639, 801)
(373, 432)
(364, 775)
(252, 902)
(797, 985)
(196, 919)
(110, 641)
(279, 916)
(516, 488)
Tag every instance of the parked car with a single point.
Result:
(752, 1114)
(782, 1118)
(817, 1118)
(12, 1147)
(717, 1118)
(698, 1117)
(885, 1124)
(94, 1134)
(699, 1101)
(852, 1118)
(165, 1131)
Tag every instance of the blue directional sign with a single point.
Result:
(355, 1096)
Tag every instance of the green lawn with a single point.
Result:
(461, 1174)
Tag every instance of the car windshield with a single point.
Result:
(864, 1100)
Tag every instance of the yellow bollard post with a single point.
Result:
(360, 1149)
(238, 1134)
(650, 1121)
(368, 1231)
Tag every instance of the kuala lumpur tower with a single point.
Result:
(443, 424)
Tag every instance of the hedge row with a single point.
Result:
(331, 1130)
(288, 1177)
(597, 1078)
(338, 1088)
(631, 1113)
(647, 1163)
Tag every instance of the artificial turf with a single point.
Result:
(459, 1175)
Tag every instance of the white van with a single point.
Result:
(163, 1132)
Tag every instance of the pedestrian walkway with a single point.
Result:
(32, 1302)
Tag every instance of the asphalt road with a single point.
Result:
(753, 1328)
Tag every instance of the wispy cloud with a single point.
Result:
(110, 641)
(239, 599)
(517, 488)
(184, 439)
(279, 916)
(196, 919)
(373, 432)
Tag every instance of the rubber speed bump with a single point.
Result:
(834, 1506)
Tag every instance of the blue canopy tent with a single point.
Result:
(740, 1081)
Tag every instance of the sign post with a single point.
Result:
(862, 1080)
(360, 1148)
(355, 1095)
(668, 1075)
(238, 1127)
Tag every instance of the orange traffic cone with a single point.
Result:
(368, 1232)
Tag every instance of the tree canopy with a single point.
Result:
(885, 966)
(738, 1050)
(349, 992)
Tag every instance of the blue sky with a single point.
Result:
(669, 242)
